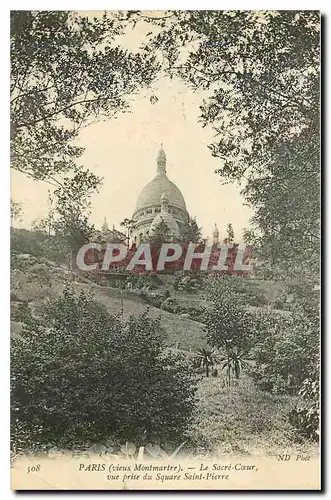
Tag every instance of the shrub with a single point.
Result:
(167, 303)
(284, 357)
(283, 303)
(170, 304)
(153, 299)
(239, 289)
(20, 311)
(37, 244)
(146, 282)
(196, 314)
(288, 347)
(188, 282)
(283, 348)
(228, 322)
(81, 375)
(255, 298)
(306, 416)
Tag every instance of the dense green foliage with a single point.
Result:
(66, 72)
(204, 359)
(80, 375)
(283, 348)
(260, 73)
(37, 244)
(191, 232)
(188, 281)
(288, 351)
(305, 417)
(228, 321)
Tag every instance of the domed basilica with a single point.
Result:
(159, 201)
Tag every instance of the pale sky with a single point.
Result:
(123, 151)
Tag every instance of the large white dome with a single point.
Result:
(151, 194)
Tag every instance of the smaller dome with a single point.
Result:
(168, 220)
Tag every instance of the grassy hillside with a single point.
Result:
(238, 420)
(35, 282)
(243, 420)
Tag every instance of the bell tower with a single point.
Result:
(216, 235)
(161, 161)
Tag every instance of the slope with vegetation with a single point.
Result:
(260, 73)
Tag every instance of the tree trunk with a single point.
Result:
(229, 370)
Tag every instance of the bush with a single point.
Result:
(144, 282)
(37, 244)
(196, 314)
(228, 323)
(239, 289)
(284, 357)
(153, 299)
(306, 416)
(287, 347)
(255, 298)
(283, 348)
(170, 304)
(19, 311)
(81, 375)
(188, 282)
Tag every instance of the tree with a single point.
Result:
(287, 348)
(191, 232)
(81, 376)
(66, 72)
(286, 225)
(261, 71)
(230, 234)
(205, 358)
(129, 225)
(234, 362)
(230, 327)
(160, 234)
(70, 207)
(16, 212)
(305, 417)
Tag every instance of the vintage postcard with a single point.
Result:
(165, 250)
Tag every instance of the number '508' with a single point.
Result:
(34, 468)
